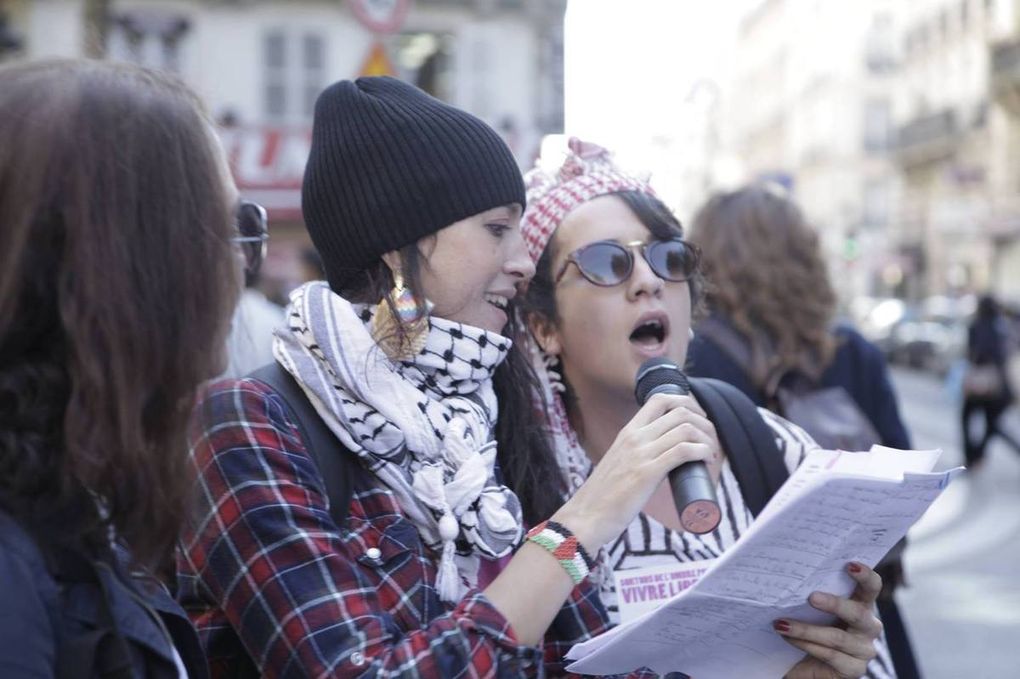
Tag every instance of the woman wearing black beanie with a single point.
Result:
(429, 568)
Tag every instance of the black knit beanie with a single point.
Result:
(388, 165)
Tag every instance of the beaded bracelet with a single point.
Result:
(565, 547)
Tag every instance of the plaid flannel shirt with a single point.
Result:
(268, 578)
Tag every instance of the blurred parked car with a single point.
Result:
(929, 344)
(931, 335)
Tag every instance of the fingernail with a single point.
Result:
(781, 626)
(854, 567)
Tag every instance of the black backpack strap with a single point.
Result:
(749, 443)
(336, 464)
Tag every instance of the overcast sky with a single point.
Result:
(629, 64)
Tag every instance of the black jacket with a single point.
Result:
(40, 615)
(858, 367)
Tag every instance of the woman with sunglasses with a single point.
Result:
(250, 345)
(615, 284)
(407, 359)
(117, 277)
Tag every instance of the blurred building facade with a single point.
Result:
(1004, 225)
(260, 64)
(953, 145)
(896, 126)
(809, 106)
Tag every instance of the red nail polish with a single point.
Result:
(781, 626)
(854, 567)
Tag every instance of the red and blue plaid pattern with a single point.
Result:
(268, 578)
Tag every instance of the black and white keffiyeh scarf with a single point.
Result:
(424, 426)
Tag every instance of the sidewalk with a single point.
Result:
(962, 604)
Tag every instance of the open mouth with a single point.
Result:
(650, 332)
(498, 301)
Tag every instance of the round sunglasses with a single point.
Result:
(252, 225)
(607, 262)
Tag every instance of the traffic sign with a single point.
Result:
(381, 16)
(377, 62)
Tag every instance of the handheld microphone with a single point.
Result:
(693, 490)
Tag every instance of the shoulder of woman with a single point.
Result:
(30, 615)
(16, 542)
(21, 560)
(239, 411)
(853, 347)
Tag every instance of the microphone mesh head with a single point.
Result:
(656, 372)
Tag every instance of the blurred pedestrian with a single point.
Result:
(616, 284)
(402, 358)
(770, 332)
(250, 344)
(117, 277)
(987, 388)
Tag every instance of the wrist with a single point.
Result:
(586, 531)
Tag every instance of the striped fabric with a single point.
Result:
(265, 574)
(646, 542)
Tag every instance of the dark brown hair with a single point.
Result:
(525, 455)
(767, 277)
(116, 283)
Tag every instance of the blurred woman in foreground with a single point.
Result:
(117, 277)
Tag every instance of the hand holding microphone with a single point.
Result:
(691, 484)
(654, 443)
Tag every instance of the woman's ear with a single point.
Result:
(545, 333)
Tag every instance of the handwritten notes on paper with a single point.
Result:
(837, 507)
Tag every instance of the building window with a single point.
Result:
(875, 204)
(295, 72)
(275, 61)
(314, 57)
(879, 46)
(877, 125)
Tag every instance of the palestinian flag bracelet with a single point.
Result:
(565, 547)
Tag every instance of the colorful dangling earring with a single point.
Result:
(400, 328)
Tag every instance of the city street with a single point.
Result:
(963, 563)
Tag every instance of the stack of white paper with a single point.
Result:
(837, 507)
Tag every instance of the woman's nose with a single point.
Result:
(518, 263)
(643, 281)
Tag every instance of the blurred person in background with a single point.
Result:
(250, 344)
(614, 285)
(404, 357)
(311, 265)
(770, 332)
(117, 277)
(987, 388)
